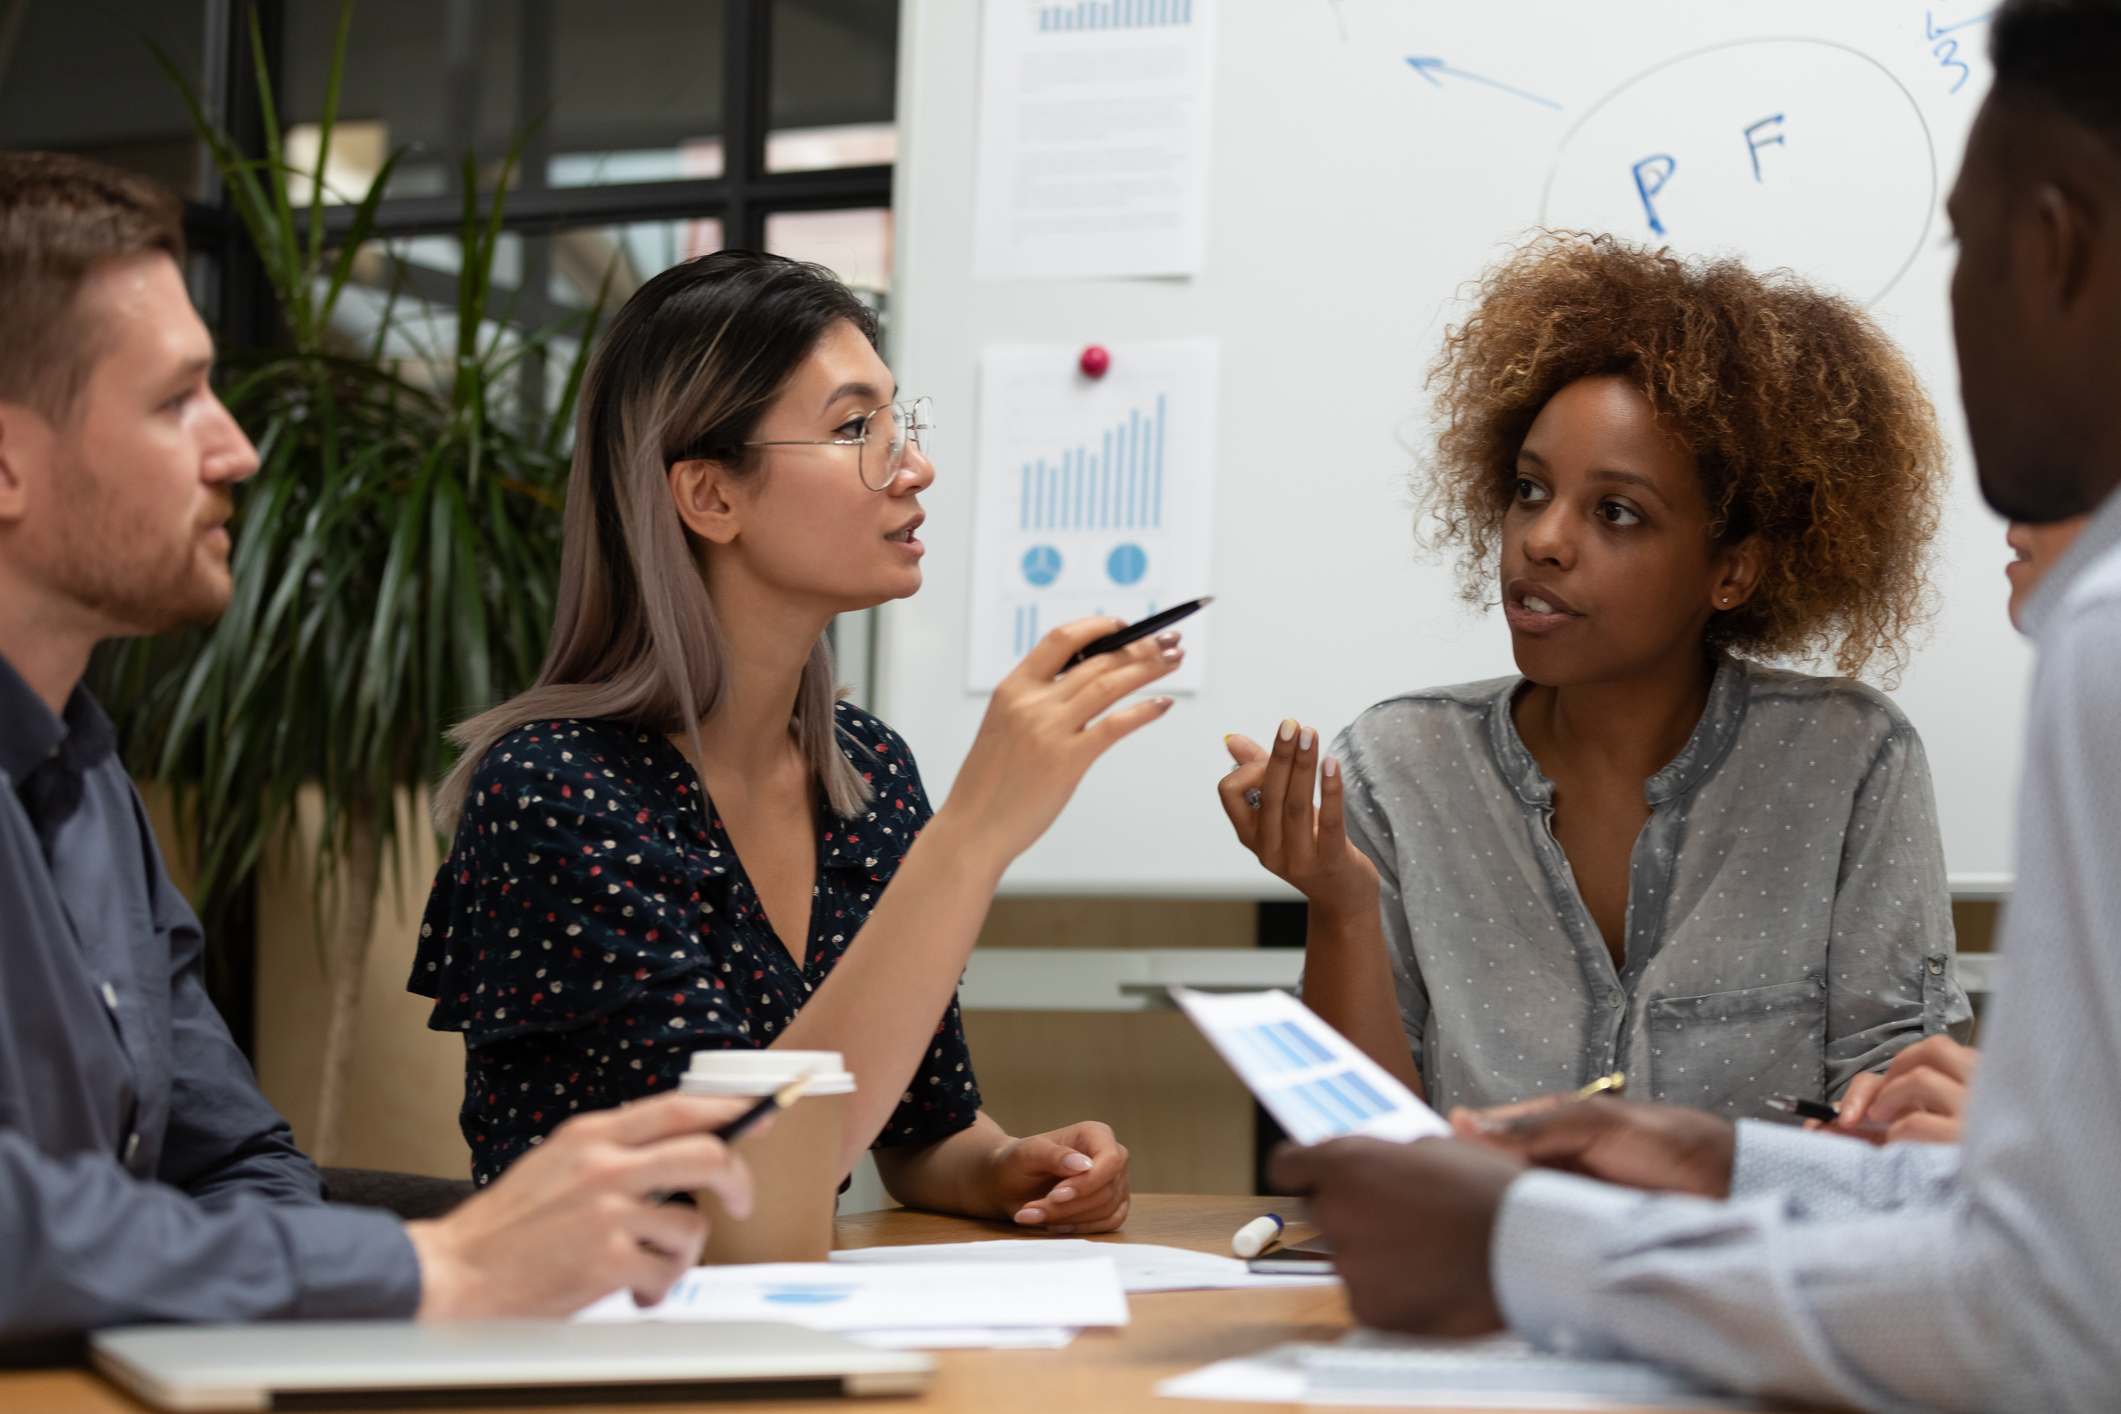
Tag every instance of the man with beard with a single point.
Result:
(142, 1176)
(1981, 1275)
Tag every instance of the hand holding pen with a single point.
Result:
(1921, 1097)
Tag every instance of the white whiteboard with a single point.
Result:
(1352, 196)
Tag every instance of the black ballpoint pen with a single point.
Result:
(780, 1099)
(1112, 642)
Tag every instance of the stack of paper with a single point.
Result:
(1143, 1266)
(1374, 1370)
(899, 1306)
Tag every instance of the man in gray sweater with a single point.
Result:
(1979, 1275)
(142, 1175)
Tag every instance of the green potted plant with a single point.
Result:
(394, 564)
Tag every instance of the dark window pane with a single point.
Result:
(435, 76)
(629, 90)
(76, 77)
(835, 76)
(402, 301)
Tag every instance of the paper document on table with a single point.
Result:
(1374, 1370)
(1093, 496)
(1311, 1078)
(1143, 1266)
(1093, 138)
(915, 1296)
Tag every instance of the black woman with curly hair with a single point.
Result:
(1650, 852)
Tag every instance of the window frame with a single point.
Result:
(742, 198)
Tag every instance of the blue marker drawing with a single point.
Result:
(1754, 144)
(1947, 50)
(1429, 68)
(1042, 565)
(1651, 173)
(1932, 30)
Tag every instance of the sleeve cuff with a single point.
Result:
(349, 1263)
(1550, 1244)
(1834, 1176)
(1766, 1155)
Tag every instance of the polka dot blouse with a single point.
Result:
(592, 927)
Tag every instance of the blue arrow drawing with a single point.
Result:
(1429, 69)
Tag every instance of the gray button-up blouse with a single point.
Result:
(1788, 924)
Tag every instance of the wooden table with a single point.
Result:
(1102, 1372)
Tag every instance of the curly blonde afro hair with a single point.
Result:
(1808, 426)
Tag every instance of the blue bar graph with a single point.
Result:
(1284, 1046)
(1114, 14)
(1338, 1103)
(1118, 485)
(1026, 628)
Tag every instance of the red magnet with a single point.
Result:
(1095, 361)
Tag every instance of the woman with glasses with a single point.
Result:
(679, 839)
(1648, 852)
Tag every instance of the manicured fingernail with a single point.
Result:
(1288, 728)
(1227, 736)
(1331, 766)
(1060, 1195)
(1163, 702)
(1078, 1163)
(1172, 655)
(1167, 639)
(1303, 740)
(1031, 1217)
(1064, 1227)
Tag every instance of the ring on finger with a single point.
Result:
(1252, 797)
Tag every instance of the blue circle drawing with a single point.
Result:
(1042, 565)
(1126, 564)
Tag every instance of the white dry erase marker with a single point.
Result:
(1256, 1236)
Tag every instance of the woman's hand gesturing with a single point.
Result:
(1304, 846)
(1043, 729)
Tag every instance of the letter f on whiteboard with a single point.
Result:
(1651, 173)
(1754, 141)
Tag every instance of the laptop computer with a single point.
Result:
(391, 1364)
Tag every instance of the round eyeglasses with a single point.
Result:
(883, 446)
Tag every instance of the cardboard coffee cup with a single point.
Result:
(795, 1163)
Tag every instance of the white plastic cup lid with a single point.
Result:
(746, 1072)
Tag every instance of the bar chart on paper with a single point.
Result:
(1114, 14)
(1093, 495)
(1309, 1076)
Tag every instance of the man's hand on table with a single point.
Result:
(1410, 1226)
(582, 1214)
(1663, 1148)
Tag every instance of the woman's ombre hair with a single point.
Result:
(687, 369)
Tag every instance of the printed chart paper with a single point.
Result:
(1093, 496)
(1093, 138)
(947, 1297)
(1143, 1266)
(1311, 1078)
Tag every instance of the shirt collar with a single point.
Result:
(31, 735)
(2091, 545)
(1709, 744)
